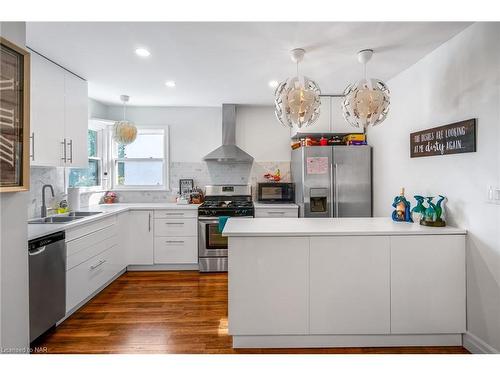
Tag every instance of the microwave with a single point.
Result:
(276, 192)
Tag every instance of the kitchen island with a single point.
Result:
(344, 282)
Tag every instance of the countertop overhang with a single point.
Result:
(298, 227)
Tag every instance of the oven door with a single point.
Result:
(211, 243)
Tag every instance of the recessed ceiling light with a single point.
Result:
(170, 83)
(142, 52)
(273, 84)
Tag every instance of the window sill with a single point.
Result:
(96, 189)
(142, 189)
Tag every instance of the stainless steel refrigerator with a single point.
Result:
(333, 181)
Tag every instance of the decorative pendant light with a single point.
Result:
(124, 132)
(297, 99)
(366, 102)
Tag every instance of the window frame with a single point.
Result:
(98, 126)
(113, 162)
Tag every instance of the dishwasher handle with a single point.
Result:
(33, 252)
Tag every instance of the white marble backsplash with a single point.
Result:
(203, 173)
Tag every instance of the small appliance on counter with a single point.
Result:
(276, 192)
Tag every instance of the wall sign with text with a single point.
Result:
(456, 138)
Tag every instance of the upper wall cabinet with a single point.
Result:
(59, 116)
(330, 120)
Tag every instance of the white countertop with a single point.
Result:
(274, 205)
(269, 227)
(40, 230)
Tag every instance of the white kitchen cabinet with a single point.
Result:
(174, 250)
(59, 116)
(76, 120)
(47, 112)
(277, 212)
(428, 284)
(349, 285)
(268, 286)
(175, 227)
(140, 238)
(176, 237)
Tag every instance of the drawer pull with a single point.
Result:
(100, 263)
(174, 241)
(174, 223)
(276, 212)
(174, 213)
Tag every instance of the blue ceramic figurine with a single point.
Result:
(402, 208)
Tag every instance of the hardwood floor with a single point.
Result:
(168, 312)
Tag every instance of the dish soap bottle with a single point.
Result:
(402, 208)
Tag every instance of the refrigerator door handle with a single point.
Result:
(331, 191)
(336, 198)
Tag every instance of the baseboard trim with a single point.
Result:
(476, 345)
(164, 267)
(338, 341)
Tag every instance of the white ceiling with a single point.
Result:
(215, 63)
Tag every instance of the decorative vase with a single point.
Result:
(432, 215)
(418, 212)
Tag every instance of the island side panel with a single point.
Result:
(350, 285)
(428, 284)
(268, 286)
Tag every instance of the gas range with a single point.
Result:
(220, 200)
(227, 200)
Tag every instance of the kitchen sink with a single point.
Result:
(54, 220)
(84, 213)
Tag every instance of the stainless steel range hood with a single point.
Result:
(229, 152)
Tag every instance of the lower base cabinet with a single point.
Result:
(350, 285)
(347, 285)
(268, 286)
(84, 279)
(173, 250)
(428, 284)
(140, 238)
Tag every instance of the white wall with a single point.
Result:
(259, 133)
(457, 81)
(195, 131)
(14, 308)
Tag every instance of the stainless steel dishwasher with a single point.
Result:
(47, 282)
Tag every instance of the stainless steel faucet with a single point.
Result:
(44, 207)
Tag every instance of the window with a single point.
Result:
(89, 177)
(141, 164)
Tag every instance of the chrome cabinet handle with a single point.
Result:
(32, 156)
(174, 223)
(100, 263)
(149, 223)
(174, 213)
(172, 241)
(276, 212)
(70, 144)
(64, 158)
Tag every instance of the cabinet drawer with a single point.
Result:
(87, 277)
(172, 214)
(176, 227)
(86, 247)
(276, 212)
(85, 229)
(176, 250)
